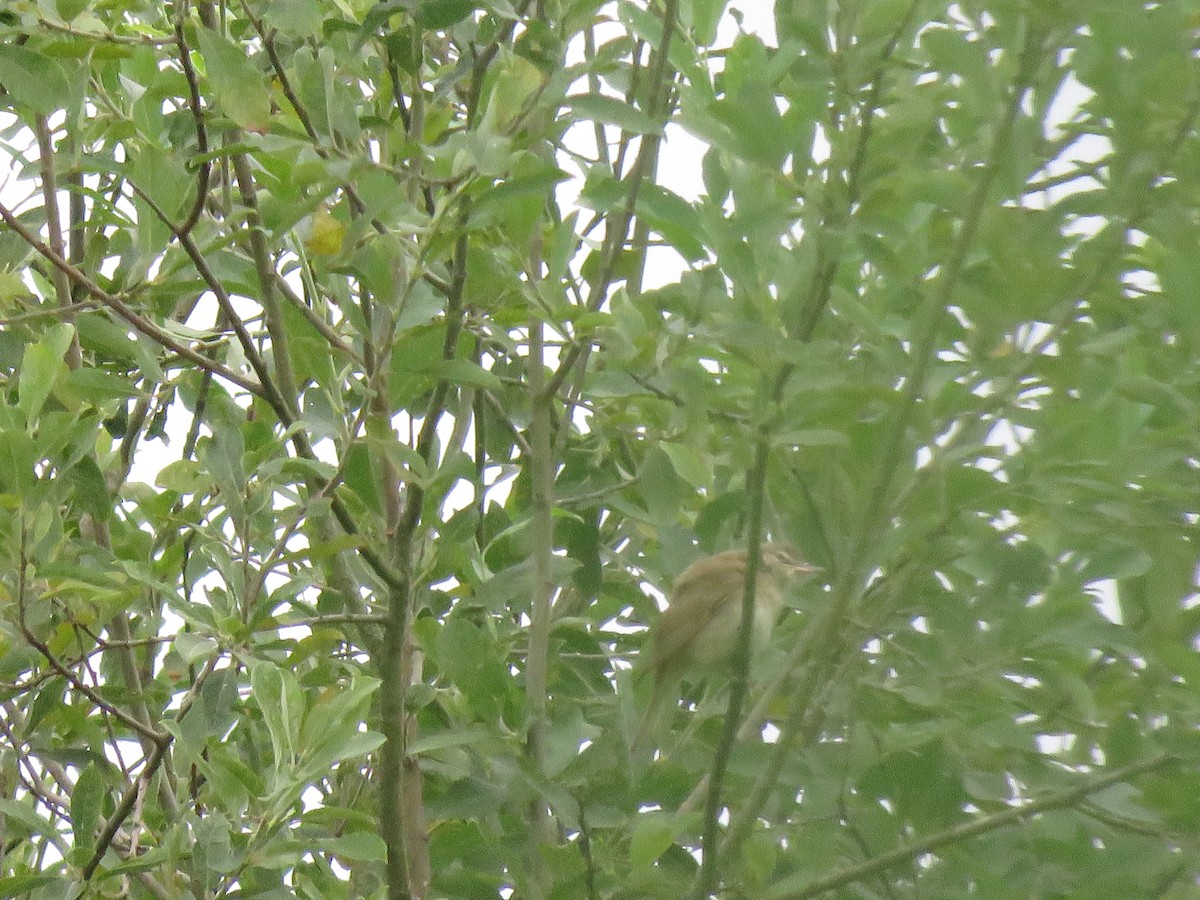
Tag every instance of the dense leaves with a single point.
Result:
(369, 368)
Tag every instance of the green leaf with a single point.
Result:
(15, 886)
(21, 813)
(160, 176)
(1123, 800)
(12, 287)
(278, 696)
(33, 78)
(436, 15)
(236, 80)
(447, 739)
(301, 18)
(183, 475)
(223, 457)
(358, 846)
(18, 455)
(41, 369)
(356, 744)
(611, 111)
(674, 218)
(536, 185)
(195, 648)
(86, 801)
(91, 489)
(517, 81)
(95, 386)
(465, 372)
(814, 437)
(705, 16)
(214, 849)
(470, 659)
(692, 466)
(652, 836)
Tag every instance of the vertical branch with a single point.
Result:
(394, 689)
(478, 416)
(706, 879)
(397, 772)
(54, 234)
(542, 531)
(393, 692)
(400, 662)
(265, 270)
(412, 785)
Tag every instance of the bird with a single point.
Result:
(698, 632)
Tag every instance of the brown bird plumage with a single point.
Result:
(698, 632)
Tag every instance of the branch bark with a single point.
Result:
(537, 660)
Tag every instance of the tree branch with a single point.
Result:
(784, 890)
(122, 309)
(542, 536)
(708, 877)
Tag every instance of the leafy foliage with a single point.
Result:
(364, 363)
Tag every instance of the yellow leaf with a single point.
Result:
(325, 237)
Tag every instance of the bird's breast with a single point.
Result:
(715, 642)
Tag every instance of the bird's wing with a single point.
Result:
(698, 595)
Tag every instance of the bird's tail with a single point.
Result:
(651, 721)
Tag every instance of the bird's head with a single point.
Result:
(783, 560)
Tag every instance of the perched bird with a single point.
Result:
(698, 632)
